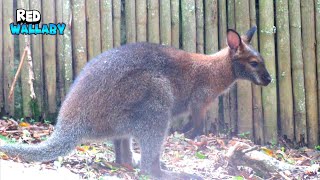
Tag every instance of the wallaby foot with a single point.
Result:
(123, 152)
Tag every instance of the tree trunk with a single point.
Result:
(188, 25)
(93, 33)
(200, 25)
(130, 15)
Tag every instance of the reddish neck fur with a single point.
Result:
(212, 72)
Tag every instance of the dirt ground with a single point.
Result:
(211, 157)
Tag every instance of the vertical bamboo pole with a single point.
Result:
(225, 98)
(317, 11)
(188, 25)
(116, 9)
(284, 69)
(308, 43)
(60, 55)
(153, 21)
(175, 23)
(67, 45)
(297, 72)
(130, 14)
(37, 58)
(93, 28)
(1, 59)
(200, 26)
(211, 26)
(244, 90)
(212, 44)
(49, 50)
(79, 35)
(256, 90)
(233, 89)
(141, 13)
(106, 25)
(267, 50)
(8, 55)
(165, 22)
(24, 75)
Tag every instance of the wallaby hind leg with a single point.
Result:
(150, 143)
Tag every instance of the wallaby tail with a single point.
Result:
(60, 143)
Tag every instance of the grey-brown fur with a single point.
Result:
(135, 91)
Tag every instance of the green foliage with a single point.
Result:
(244, 135)
(317, 147)
(199, 155)
(7, 140)
(237, 178)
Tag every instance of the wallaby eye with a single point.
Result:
(253, 64)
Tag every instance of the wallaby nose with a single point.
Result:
(266, 78)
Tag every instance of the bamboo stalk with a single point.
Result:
(267, 50)
(317, 11)
(284, 70)
(211, 26)
(175, 23)
(67, 45)
(1, 60)
(130, 15)
(308, 43)
(225, 98)
(256, 90)
(106, 25)
(153, 21)
(233, 89)
(8, 55)
(212, 45)
(188, 25)
(79, 35)
(60, 55)
(36, 51)
(26, 99)
(244, 90)
(297, 73)
(165, 22)
(93, 29)
(49, 49)
(116, 9)
(200, 26)
(141, 13)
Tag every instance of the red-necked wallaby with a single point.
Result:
(134, 91)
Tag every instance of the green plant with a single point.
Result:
(317, 147)
(244, 135)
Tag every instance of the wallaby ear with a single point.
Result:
(250, 34)
(233, 39)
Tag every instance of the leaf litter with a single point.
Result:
(211, 157)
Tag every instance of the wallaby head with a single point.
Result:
(247, 63)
